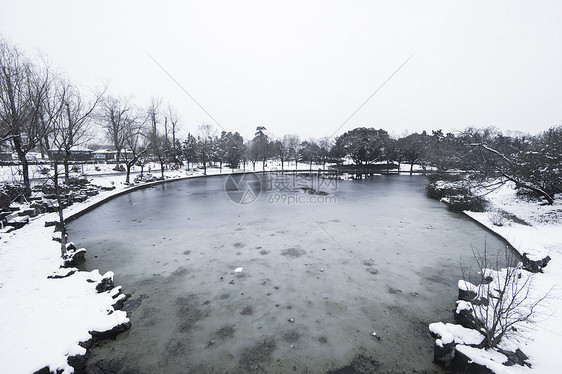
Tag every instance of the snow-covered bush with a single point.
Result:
(456, 190)
(460, 203)
(8, 192)
(445, 185)
(502, 299)
(497, 219)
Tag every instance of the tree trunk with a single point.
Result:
(26, 181)
(117, 157)
(174, 140)
(60, 211)
(520, 183)
(128, 172)
(42, 148)
(162, 168)
(16, 141)
(66, 169)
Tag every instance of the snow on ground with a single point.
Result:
(539, 237)
(541, 338)
(43, 320)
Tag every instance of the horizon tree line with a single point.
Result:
(41, 110)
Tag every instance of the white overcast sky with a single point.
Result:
(304, 67)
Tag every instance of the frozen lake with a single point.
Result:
(317, 278)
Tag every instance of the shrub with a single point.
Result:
(9, 192)
(501, 300)
(461, 203)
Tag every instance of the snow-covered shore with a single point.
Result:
(534, 230)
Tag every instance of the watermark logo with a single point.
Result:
(243, 188)
(283, 198)
(281, 188)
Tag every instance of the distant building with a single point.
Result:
(106, 155)
(6, 156)
(126, 155)
(76, 154)
(33, 156)
(103, 155)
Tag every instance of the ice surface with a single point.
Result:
(381, 263)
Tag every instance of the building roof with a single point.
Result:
(72, 149)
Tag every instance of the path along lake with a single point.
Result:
(318, 278)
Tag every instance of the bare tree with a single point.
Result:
(159, 151)
(116, 115)
(73, 128)
(52, 114)
(206, 135)
(135, 141)
(125, 127)
(23, 89)
(61, 115)
(513, 168)
(292, 143)
(157, 141)
(503, 298)
(324, 152)
(282, 150)
(174, 124)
